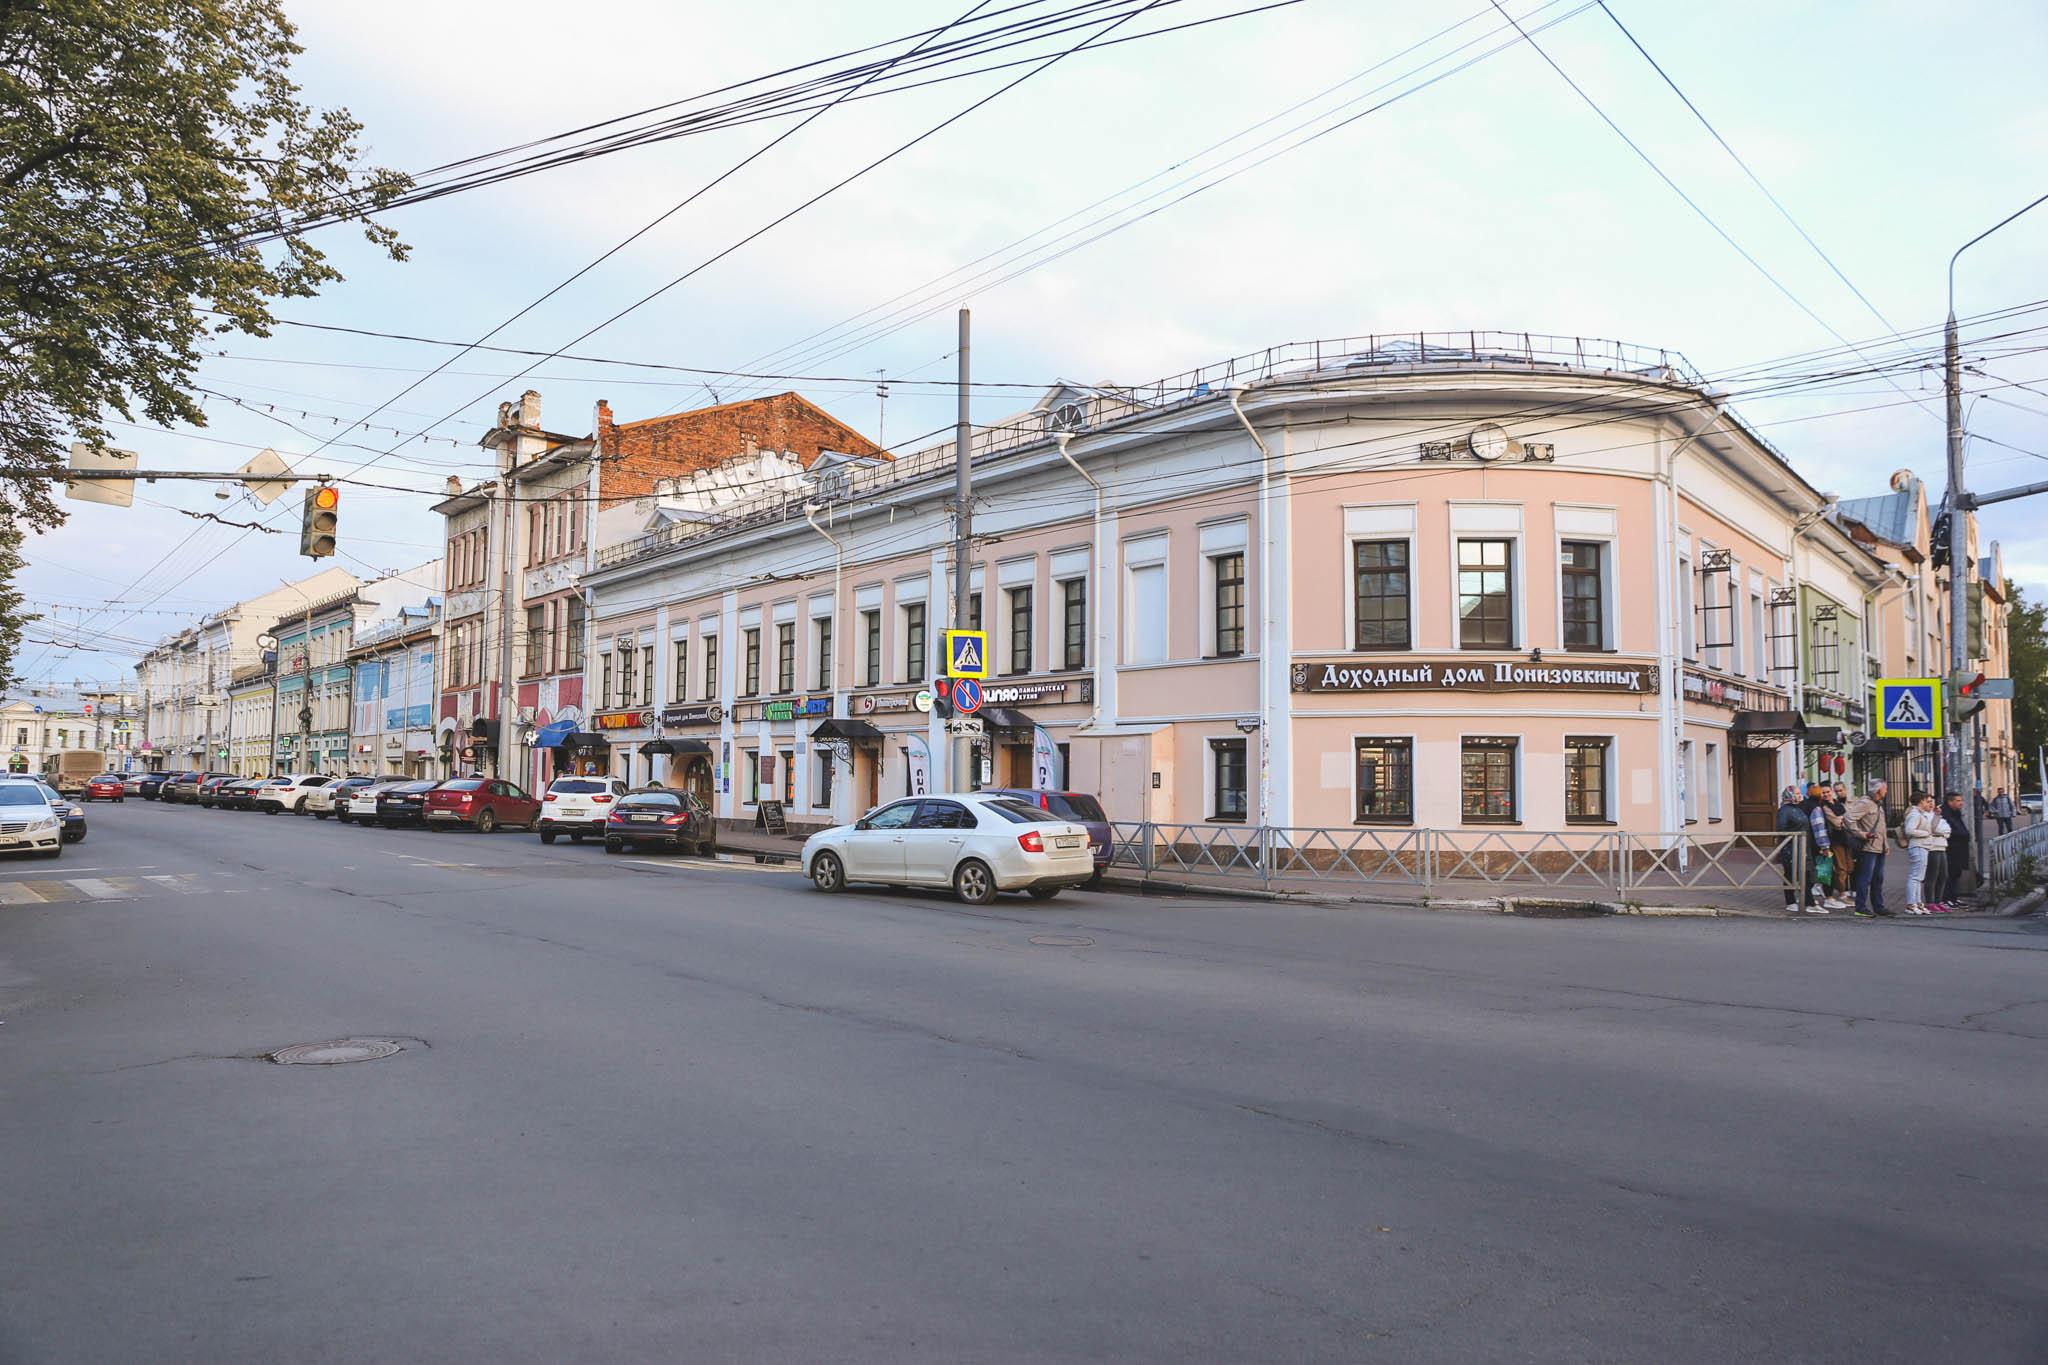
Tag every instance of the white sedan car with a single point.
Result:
(978, 845)
(286, 793)
(361, 802)
(28, 822)
(332, 799)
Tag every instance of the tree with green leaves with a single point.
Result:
(13, 610)
(2026, 634)
(158, 175)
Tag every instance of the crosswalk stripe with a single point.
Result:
(107, 888)
(54, 891)
(17, 893)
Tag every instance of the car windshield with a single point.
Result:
(577, 784)
(462, 784)
(663, 800)
(1079, 806)
(1018, 813)
(21, 794)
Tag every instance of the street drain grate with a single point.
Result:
(1062, 941)
(336, 1051)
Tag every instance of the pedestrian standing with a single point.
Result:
(1920, 831)
(1959, 860)
(1793, 830)
(2001, 811)
(1834, 813)
(1867, 841)
(1820, 857)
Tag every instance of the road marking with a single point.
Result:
(703, 865)
(15, 893)
(106, 889)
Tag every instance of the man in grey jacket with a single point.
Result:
(1865, 818)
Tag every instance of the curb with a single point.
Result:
(2021, 905)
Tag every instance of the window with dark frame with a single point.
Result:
(572, 630)
(1584, 569)
(1486, 594)
(1229, 572)
(824, 630)
(913, 642)
(1486, 780)
(647, 675)
(974, 611)
(1074, 611)
(1585, 780)
(753, 663)
(1020, 630)
(626, 657)
(1380, 586)
(1386, 780)
(604, 691)
(1228, 797)
(682, 671)
(785, 656)
(536, 640)
(871, 629)
(711, 668)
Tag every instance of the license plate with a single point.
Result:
(440, 815)
(647, 819)
(1067, 841)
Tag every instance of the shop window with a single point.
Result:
(711, 668)
(1227, 588)
(1020, 629)
(1386, 780)
(913, 642)
(1583, 564)
(1486, 780)
(1228, 797)
(752, 640)
(1486, 599)
(788, 781)
(1585, 781)
(1074, 622)
(871, 647)
(1379, 571)
(785, 657)
(821, 788)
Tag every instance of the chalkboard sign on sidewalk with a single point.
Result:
(768, 816)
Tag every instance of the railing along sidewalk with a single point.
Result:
(2003, 853)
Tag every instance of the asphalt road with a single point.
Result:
(664, 1111)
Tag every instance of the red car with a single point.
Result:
(105, 787)
(482, 803)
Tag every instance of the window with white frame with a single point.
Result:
(1379, 561)
(1688, 627)
(1759, 647)
(821, 650)
(1711, 779)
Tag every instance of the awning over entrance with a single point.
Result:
(1005, 718)
(1768, 723)
(1880, 746)
(1823, 736)
(583, 739)
(837, 727)
(683, 748)
(553, 733)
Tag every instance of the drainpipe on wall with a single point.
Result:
(1672, 652)
(1266, 631)
(1099, 653)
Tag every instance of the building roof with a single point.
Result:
(1892, 517)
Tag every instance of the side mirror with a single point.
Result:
(863, 823)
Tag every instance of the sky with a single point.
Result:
(1492, 198)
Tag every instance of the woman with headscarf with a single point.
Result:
(1795, 830)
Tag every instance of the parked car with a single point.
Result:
(70, 813)
(209, 789)
(2030, 802)
(28, 823)
(149, 786)
(976, 843)
(239, 794)
(1079, 807)
(359, 806)
(184, 787)
(577, 806)
(105, 787)
(482, 803)
(403, 804)
(287, 794)
(661, 819)
(332, 799)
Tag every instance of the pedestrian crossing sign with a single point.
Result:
(1909, 708)
(966, 654)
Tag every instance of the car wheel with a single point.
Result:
(77, 838)
(486, 821)
(612, 845)
(438, 829)
(271, 810)
(828, 874)
(974, 883)
(709, 848)
(320, 814)
(1094, 879)
(1044, 893)
(547, 836)
(342, 816)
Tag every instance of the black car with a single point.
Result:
(151, 786)
(661, 819)
(209, 790)
(238, 794)
(402, 805)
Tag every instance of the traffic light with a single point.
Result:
(1938, 549)
(316, 526)
(1964, 699)
(942, 697)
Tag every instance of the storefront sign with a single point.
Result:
(1712, 691)
(802, 706)
(622, 720)
(868, 703)
(1821, 704)
(1464, 675)
(707, 714)
(1009, 694)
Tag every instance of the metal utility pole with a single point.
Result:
(962, 748)
(501, 754)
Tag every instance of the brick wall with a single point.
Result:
(638, 454)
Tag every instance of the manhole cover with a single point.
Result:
(339, 1050)
(1062, 941)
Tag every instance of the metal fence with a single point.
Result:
(1612, 864)
(2003, 854)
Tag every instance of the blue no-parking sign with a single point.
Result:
(966, 696)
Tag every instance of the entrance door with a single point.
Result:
(697, 778)
(1756, 796)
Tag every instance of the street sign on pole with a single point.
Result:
(1909, 708)
(266, 491)
(112, 492)
(1993, 689)
(969, 727)
(966, 696)
(967, 653)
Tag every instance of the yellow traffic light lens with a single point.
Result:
(327, 498)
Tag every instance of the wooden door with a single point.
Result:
(1756, 794)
